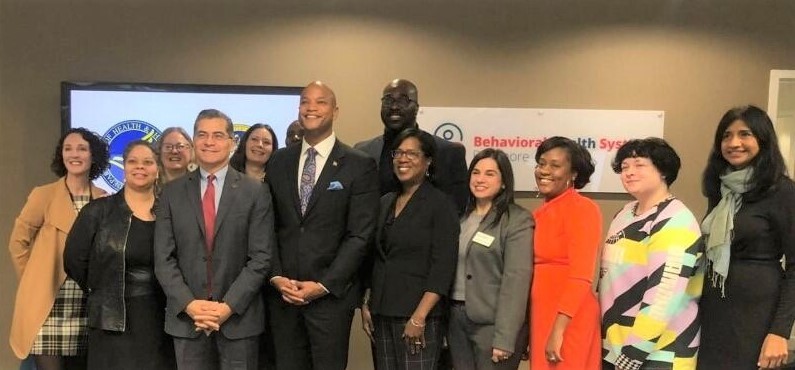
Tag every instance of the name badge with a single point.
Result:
(483, 239)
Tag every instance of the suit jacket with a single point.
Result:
(498, 275)
(419, 255)
(36, 246)
(450, 168)
(328, 243)
(240, 257)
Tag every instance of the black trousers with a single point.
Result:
(311, 337)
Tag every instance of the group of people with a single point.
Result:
(258, 257)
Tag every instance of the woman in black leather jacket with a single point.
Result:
(109, 254)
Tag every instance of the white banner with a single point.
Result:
(519, 131)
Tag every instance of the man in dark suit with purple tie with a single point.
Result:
(326, 202)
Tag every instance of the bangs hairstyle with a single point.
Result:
(238, 160)
(579, 157)
(505, 196)
(768, 165)
(662, 155)
(98, 148)
(427, 145)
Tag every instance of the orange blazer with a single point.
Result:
(36, 247)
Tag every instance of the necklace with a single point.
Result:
(72, 197)
(666, 199)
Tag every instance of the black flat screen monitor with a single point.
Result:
(122, 112)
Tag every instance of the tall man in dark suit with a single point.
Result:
(326, 203)
(213, 240)
(399, 107)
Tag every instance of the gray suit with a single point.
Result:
(498, 280)
(240, 257)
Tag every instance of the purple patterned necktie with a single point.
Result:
(307, 178)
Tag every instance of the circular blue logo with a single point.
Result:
(117, 138)
(450, 132)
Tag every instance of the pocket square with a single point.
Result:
(335, 185)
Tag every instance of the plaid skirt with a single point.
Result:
(65, 332)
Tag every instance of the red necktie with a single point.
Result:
(208, 209)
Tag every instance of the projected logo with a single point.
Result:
(117, 138)
(450, 132)
(240, 130)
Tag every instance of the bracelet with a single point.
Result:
(411, 320)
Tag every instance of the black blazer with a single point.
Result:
(450, 168)
(418, 256)
(329, 242)
(241, 255)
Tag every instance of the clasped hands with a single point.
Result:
(208, 316)
(296, 292)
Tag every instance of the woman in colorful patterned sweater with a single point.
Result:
(652, 274)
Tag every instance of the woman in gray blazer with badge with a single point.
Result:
(495, 259)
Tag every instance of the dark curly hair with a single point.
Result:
(662, 156)
(238, 160)
(98, 148)
(580, 158)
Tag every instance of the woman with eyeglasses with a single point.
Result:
(254, 150)
(109, 254)
(49, 321)
(175, 154)
(488, 312)
(564, 312)
(416, 245)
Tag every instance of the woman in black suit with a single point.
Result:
(414, 261)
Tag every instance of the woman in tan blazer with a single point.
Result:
(49, 321)
(489, 297)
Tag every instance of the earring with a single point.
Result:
(567, 183)
(427, 173)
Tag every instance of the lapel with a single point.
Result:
(293, 156)
(377, 147)
(61, 211)
(193, 185)
(63, 214)
(416, 204)
(333, 164)
(228, 196)
(485, 224)
(386, 206)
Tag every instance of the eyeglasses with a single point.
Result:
(410, 154)
(178, 147)
(217, 136)
(402, 100)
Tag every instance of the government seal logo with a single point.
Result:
(117, 138)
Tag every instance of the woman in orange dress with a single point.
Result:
(564, 311)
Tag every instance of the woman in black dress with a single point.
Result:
(109, 254)
(748, 303)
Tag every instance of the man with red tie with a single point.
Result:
(213, 240)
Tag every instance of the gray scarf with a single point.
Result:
(718, 226)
